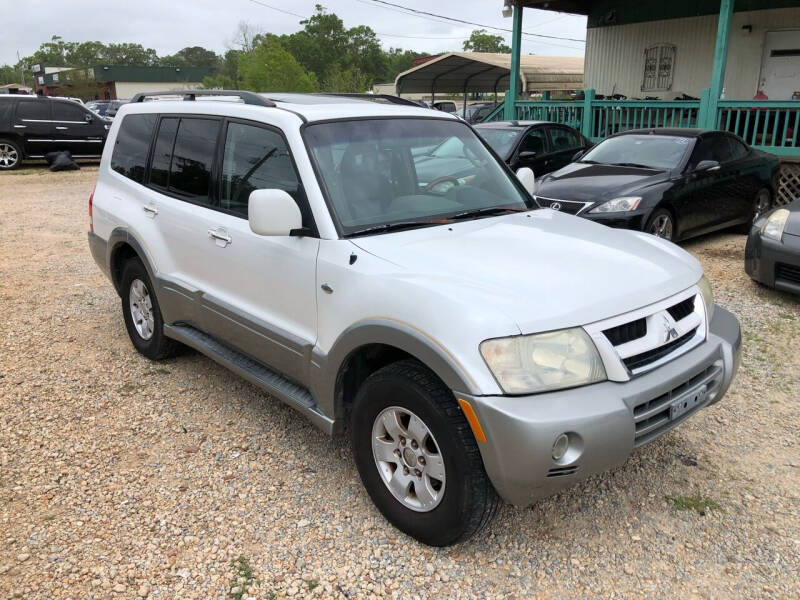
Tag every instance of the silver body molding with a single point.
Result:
(599, 419)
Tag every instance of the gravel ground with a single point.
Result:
(122, 478)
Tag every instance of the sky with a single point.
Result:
(169, 25)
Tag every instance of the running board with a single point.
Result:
(253, 371)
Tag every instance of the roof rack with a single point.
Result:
(191, 95)
(374, 97)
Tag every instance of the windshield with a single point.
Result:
(501, 140)
(385, 171)
(661, 152)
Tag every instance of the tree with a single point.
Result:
(351, 80)
(482, 41)
(269, 67)
(192, 56)
(9, 75)
(397, 61)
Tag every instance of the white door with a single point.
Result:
(263, 296)
(780, 65)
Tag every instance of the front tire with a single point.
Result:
(661, 224)
(10, 155)
(142, 314)
(417, 456)
(762, 203)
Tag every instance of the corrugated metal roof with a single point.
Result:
(486, 71)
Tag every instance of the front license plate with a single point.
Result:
(687, 402)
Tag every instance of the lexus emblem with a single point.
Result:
(556, 206)
(670, 333)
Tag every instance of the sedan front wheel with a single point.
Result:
(661, 224)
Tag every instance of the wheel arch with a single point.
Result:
(122, 246)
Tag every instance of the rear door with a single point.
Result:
(33, 121)
(564, 142)
(76, 129)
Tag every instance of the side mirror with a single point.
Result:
(577, 156)
(527, 155)
(273, 212)
(707, 165)
(88, 118)
(526, 178)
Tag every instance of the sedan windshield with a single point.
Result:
(662, 152)
(501, 140)
(382, 174)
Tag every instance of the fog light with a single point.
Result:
(560, 446)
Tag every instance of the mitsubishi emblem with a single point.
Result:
(670, 333)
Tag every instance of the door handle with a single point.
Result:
(220, 235)
(59, 127)
(20, 126)
(150, 209)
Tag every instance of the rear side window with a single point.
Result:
(132, 145)
(33, 110)
(192, 157)
(64, 110)
(162, 153)
(255, 158)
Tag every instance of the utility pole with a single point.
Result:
(21, 69)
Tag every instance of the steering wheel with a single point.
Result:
(440, 180)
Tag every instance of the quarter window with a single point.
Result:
(34, 110)
(255, 158)
(68, 111)
(659, 68)
(132, 145)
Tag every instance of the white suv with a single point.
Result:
(378, 268)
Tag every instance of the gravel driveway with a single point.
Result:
(123, 478)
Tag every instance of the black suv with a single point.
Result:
(32, 126)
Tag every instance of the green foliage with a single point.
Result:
(192, 56)
(9, 74)
(269, 67)
(347, 80)
(697, 503)
(482, 41)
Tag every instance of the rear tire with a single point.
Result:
(142, 313)
(661, 224)
(456, 498)
(10, 155)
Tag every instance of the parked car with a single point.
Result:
(32, 126)
(539, 145)
(447, 106)
(98, 106)
(772, 253)
(113, 107)
(290, 238)
(673, 183)
(478, 111)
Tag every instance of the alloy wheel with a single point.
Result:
(662, 227)
(763, 203)
(8, 156)
(141, 309)
(408, 459)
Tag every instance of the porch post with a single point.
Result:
(720, 60)
(509, 111)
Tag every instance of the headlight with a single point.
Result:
(774, 225)
(528, 364)
(623, 204)
(708, 295)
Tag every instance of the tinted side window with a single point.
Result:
(132, 145)
(192, 157)
(38, 110)
(5, 109)
(738, 149)
(162, 153)
(64, 110)
(534, 141)
(564, 139)
(714, 147)
(255, 158)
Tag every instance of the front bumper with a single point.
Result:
(599, 419)
(762, 254)
(621, 220)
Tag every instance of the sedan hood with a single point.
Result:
(586, 182)
(544, 270)
(793, 224)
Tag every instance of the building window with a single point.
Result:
(659, 68)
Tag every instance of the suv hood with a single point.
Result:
(543, 269)
(587, 182)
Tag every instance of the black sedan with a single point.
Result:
(772, 254)
(673, 183)
(539, 145)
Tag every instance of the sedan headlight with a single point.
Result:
(708, 296)
(775, 224)
(624, 204)
(528, 364)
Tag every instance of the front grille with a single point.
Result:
(627, 332)
(562, 471)
(787, 272)
(682, 309)
(638, 361)
(570, 207)
(652, 417)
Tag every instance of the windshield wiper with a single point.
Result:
(629, 164)
(399, 226)
(491, 210)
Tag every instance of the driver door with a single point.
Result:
(533, 152)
